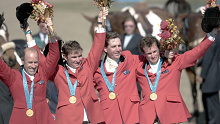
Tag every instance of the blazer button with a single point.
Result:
(35, 103)
(82, 97)
(116, 85)
(34, 96)
(117, 94)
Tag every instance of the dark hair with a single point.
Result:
(70, 46)
(109, 36)
(130, 18)
(148, 42)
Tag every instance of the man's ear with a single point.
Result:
(65, 57)
(105, 50)
(22, 60)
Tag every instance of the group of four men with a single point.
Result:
(114, 77)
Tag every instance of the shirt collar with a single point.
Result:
(30, 76)
(154, 67)
(110, 64)
(72, 69)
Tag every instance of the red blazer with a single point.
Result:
(125, 106)
(68, 113)
(14, 80)
(169, 104)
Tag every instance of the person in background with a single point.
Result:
(210, 82)
(130, 40)
(42, 35)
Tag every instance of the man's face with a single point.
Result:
(30, 62)
(73, 59)
(43, 28)
(114, 49)
(152, 53)
(129, 27)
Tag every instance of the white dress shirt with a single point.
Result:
(110, 64)
(127, 40)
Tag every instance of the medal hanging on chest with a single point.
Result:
(29, 97)
(111, 86)
(29, 112)
(72, 88)
(153, 95)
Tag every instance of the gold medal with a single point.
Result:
(29, 112)
(72, 99)
(112, 95)
(153, 96)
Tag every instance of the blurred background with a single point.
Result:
(71, 25)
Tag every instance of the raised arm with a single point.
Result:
(53, 54)
(190, 58)
(98, 43)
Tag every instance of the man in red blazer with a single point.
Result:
(160, 81)
(28, 87)
(77, 100)
(115, 81)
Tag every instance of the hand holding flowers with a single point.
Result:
(42, 11)
(104, 4)
(169, 36)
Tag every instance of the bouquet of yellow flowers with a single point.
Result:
(103, 3)
(41, 11)
(169, 35)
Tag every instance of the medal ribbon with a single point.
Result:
(29, 97)
(72, 87)
(154, 88)
(111, 86)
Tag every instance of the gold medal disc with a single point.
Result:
(29, 112)
(112, 95)
(153, 96)
(72, 99)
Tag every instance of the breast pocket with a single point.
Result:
(63, 103)
(20, 105)
(174, 99)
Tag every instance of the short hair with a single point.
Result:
(148, 42)
(109, 36)
(29, 49)
(70, 46)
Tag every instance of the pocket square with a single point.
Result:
(81, 68)
(126, 72)
(165, 71)
(41, 82)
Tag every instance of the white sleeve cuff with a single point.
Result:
(211, 38)
(100, 30)
(31, 43)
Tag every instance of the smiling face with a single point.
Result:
(30, 61)
(74, 58)
(113, 50)
(152, 53)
